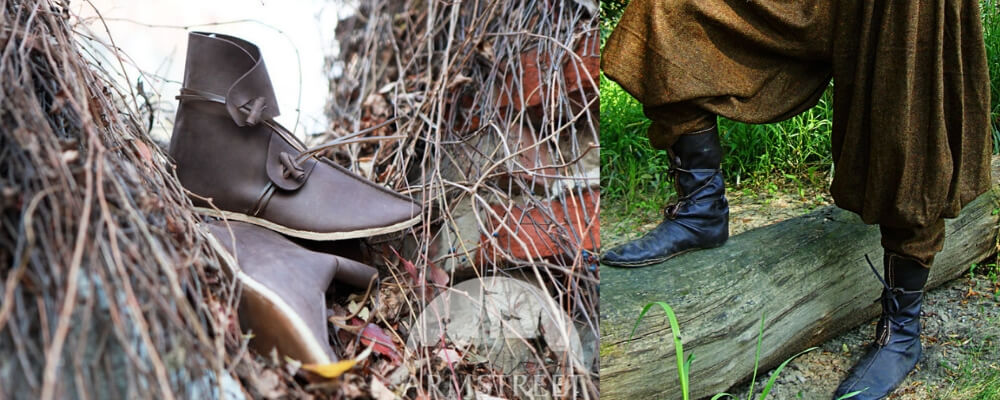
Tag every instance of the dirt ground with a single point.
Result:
(961, 322)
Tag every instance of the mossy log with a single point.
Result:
(808, 275)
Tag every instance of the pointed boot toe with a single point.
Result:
(631, 254)
(700, 217)
(895, 351)
(283, 301)
(239, 163)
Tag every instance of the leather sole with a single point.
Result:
(310, 235)
(648, 262)
(291, 334)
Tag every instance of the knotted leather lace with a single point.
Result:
(890, 298)
(256, 107)
(671, 210)
(292, 165)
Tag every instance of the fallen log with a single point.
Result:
(808, 275)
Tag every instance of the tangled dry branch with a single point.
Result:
(497, 101)
(109, 290)
(484, 110)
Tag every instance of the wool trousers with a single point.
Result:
(910, 138)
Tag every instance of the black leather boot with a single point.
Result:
(700, 217)
(897, 347)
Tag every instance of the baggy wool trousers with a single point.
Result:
(911, 140)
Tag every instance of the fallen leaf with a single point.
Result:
(353, 307)
(450, 356)
(437, 275)
(380, 391)
(484, 396)
(410, 269)
(332, 370)
(269, 385)
(374, 336)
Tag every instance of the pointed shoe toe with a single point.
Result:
(283, 300)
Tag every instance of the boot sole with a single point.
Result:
(646, 263)
(310, 235)
(299, 333)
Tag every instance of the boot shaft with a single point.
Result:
(228, 148)
(696, 160)
(212, 143)
(697, 150)
(230, 71)
(901, 299)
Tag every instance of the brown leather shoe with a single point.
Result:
(284, 289)
(228, 148)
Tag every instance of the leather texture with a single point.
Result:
(283, 300)
(228, 148)
(896, 348)
(700, 217)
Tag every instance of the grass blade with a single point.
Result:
(756, 357)
(777, 371)
(675, 330)
(852, 394)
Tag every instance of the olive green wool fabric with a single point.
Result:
(911, 139)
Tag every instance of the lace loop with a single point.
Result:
(890, 303)
(256, 107)
(671, 210)
(291, 167)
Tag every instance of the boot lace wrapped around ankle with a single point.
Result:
(890, 303)
(671, 210)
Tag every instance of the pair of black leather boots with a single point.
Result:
(699, 219)
(242, 166)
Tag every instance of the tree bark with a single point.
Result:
(808, 275)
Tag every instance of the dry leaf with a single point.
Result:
(380, 391)
(484, 396)
(410, 269)
(374, 336)
(450, 356)
(332, 370)
(269, 385)
(437, 275)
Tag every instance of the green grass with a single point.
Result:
(796, 151)
(991, 35)
(790, 154)
(976, 377)
(684, 365)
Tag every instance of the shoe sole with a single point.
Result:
(300, 335)
(310, 235)
(646, 263)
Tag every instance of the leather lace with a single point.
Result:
(291, 167)
(671, 210)
(256, 107)
(292, 164)
(890, 299)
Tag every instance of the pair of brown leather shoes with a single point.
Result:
(239, 164)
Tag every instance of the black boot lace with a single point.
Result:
(890, 304)
(671, 210)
